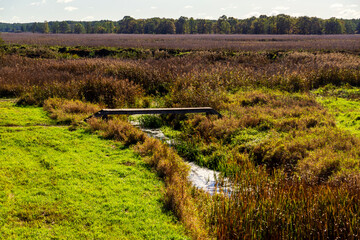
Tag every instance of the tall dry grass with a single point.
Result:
(246, 42)
(201, 78)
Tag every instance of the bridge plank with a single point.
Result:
(133, 111)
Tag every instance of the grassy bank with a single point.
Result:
(63, 184)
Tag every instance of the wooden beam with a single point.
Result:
(133, 111)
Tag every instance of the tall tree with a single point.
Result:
(316, 26)
(79, 28)
(258, 26)
(166, 26)
(350, 27)
(34, 27)
(208, 26)
(201, 26)
(192, 26)
(223, 26)
(139, 26)
(303, 25)
(55, 27)
(46, 28)
(100, 29)
(127, 25)
(333, 26)
(182, 25)
(109, 26)
(232, 21)
(151, 25)
(64, 27)
(283, 24)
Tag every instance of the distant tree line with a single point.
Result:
(280, 24)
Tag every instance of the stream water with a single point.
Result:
(200, 177)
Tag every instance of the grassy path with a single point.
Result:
(58, 184)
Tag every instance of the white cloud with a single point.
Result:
(252, 14)
(64, 1)
(15, 19)
(297, 14)
(336, 5)
(229, 7)
(153, 7)
(70, 9)
(88, 18)
(274, 13)
(188, 7)
(348, 13)
(2, 9)
(280, 8)
(209, 17)
(38, 3)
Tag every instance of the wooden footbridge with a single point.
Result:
(132, 111)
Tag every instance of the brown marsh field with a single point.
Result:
(246, 42)
(294, 167)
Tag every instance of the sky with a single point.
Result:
(21, 11)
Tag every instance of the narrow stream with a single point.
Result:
(200, 177)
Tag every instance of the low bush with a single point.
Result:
(150, 121)
(69, 111)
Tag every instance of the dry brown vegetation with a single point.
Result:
(296, 173)
(246, 42)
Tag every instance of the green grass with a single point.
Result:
(170, 132)
(346, 112)
(60, 184)
(22, 116)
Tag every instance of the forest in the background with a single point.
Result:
(280, 24)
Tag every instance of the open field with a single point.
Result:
(288, 141)
(246, 42)
(74, 185)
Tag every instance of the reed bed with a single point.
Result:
(246, 42)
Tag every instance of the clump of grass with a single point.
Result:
(117, 129)
(69, 111)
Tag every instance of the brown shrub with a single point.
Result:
(69, 111)
(117, 129)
